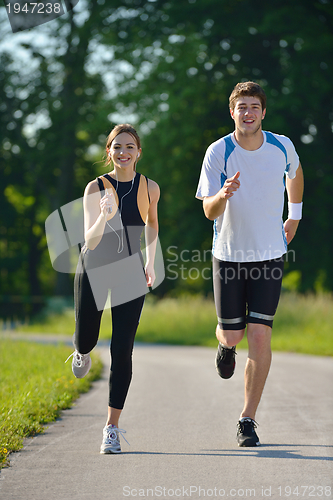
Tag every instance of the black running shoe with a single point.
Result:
(225, 361)
(246, 435)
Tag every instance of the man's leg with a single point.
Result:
(229, 338)
(264, 287)
(257, 366)
(230, 303)
(256, 371)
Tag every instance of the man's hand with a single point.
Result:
(290, 228)
(230, 186)
(214, 206)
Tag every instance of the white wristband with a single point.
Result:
(295, 210)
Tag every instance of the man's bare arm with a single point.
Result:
(295, 188)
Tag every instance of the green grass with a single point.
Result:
(33, 390)
(302, 323)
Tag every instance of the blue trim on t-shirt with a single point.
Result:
(229, 147)
(284, 237)
(223, 179)
(214, 237)
(271, 139)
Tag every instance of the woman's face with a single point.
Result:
(124, 151)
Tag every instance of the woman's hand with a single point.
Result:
(150, 274)
(107, 203)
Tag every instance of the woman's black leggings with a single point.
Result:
(125, 321)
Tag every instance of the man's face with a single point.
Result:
(248, 115)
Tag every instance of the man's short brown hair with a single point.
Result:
(250, 89)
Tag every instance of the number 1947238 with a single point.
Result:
(34, 8)
(305, 491)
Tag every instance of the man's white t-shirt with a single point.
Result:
(251, 227)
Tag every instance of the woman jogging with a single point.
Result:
(117, 206)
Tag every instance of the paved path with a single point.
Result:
(181, 419)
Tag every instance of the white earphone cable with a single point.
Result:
(120, 239)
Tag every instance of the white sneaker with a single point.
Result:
(111, 442)
(81, 363)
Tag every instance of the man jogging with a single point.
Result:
(242, 185)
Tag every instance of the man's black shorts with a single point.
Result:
(246, 292)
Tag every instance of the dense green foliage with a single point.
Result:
(169, 67)
(33, 392)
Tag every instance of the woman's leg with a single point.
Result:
(87, 316)
(125, 321)
(113, 416)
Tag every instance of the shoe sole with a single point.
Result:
(109, 452)
(249, 444)
(223, 376)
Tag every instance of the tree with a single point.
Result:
(169, 67)
(183, 101)
(49, 102)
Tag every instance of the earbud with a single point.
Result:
(138, 155)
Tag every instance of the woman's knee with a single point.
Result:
(121, 354)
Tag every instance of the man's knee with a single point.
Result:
(259, 336)
(229, 338)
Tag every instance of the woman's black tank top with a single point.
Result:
(122, 234)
